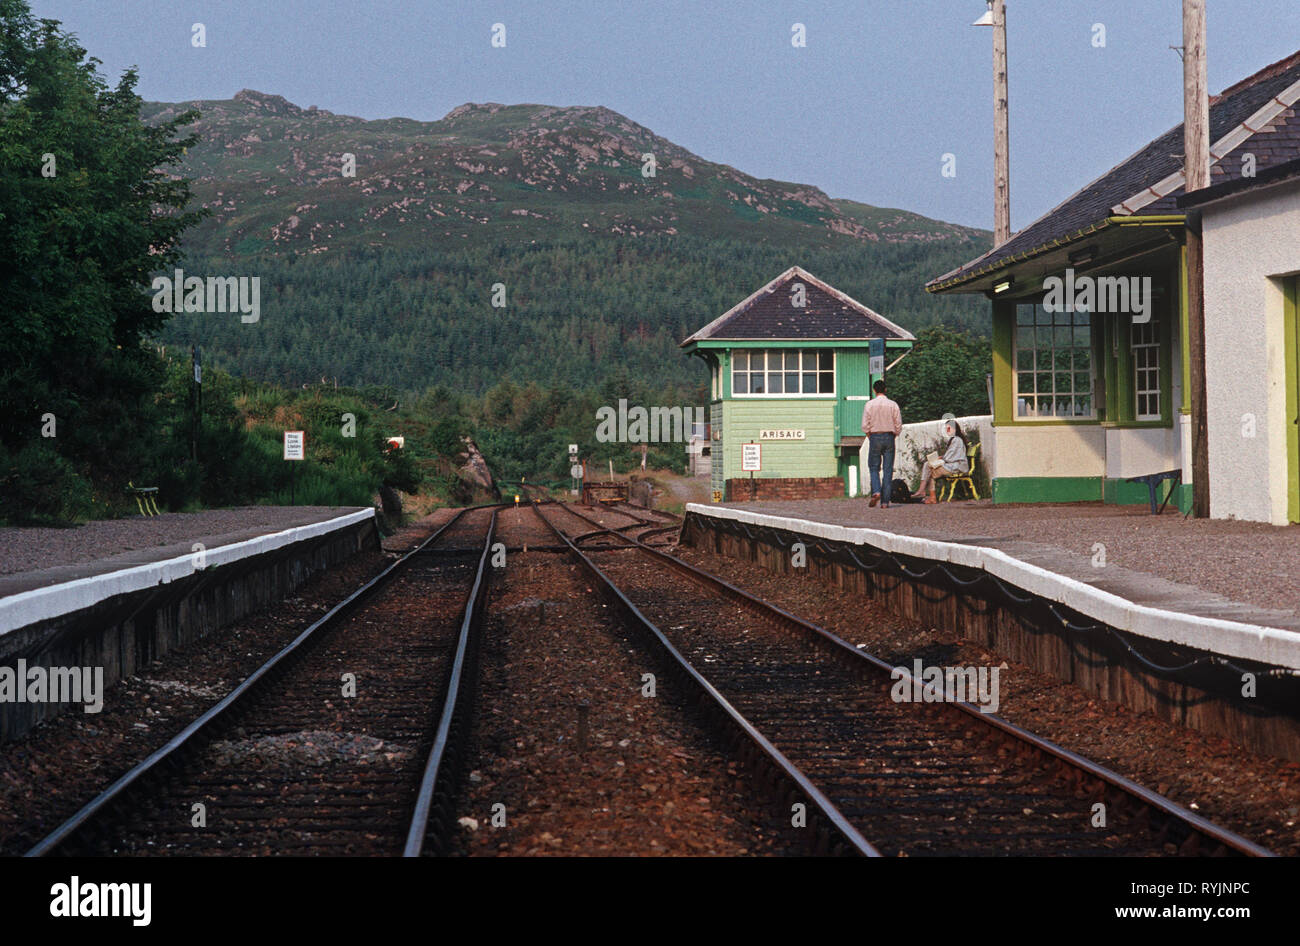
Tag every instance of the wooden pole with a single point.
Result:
(1196, 102)
(1001, 138)
(1196, 171)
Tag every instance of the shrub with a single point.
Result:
(38, 486)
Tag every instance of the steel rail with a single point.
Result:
(187, 736)
(830, 815)
(859, 658)
(466, 648)
(651, 526)
(676, 519)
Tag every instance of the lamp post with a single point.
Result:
(996, 17)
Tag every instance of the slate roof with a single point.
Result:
(1284, 173)
(1276, 142)
(827, 314)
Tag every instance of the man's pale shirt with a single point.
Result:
(882, 416)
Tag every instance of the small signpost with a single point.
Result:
(877, 362)
(295, 448)
(751, 462)
(196, 388)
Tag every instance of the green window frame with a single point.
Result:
(782, 372)
(1144, 352)
(1053, 369)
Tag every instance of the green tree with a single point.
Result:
(945, 372)
(87, 214)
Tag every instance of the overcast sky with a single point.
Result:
(866, 110)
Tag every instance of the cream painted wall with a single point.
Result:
(1250, 242)
(1137, 451)
(1051, 450)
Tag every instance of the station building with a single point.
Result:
(1251, 234)
(1089, 394)
(790, 369)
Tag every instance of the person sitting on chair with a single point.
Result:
(954, 462)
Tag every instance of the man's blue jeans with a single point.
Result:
(880, 452)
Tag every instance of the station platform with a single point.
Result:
(1181, 617)
(48, 571)
(116, 594)
(1217, 570)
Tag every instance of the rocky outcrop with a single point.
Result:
(474, 469)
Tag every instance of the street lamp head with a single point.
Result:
(987, 18)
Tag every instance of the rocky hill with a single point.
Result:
(597, 256)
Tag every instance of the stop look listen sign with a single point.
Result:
(295, 445)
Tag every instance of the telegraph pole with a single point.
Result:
(1001, 138)
(996, 17)
(1196, 172)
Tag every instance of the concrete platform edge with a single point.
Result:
(40, 604)
(1268, 645)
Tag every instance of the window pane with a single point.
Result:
(1041, 316)
(1025, 383)
(756, 383)
(810, 361)
(774, 385)
(792, 361)
(740, 382)
(1024, 315)
(1025, 337)
(792, 382)
(826, 382)
(826, 360)
(741, 361)
(1082, 359)
(1024, 359)
(809, 383)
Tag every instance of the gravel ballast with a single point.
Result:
(50, 772)
(650, 781)
(1256, 796)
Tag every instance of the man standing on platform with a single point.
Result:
(882, 422)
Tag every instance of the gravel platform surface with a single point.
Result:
(1248, 562)
(33, 549)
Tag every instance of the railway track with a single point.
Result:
(652, 526)
(906, 778)
(291, 762)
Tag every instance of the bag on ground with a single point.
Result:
(899, 493)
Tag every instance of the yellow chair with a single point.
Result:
(972, 452)
(144, 498)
